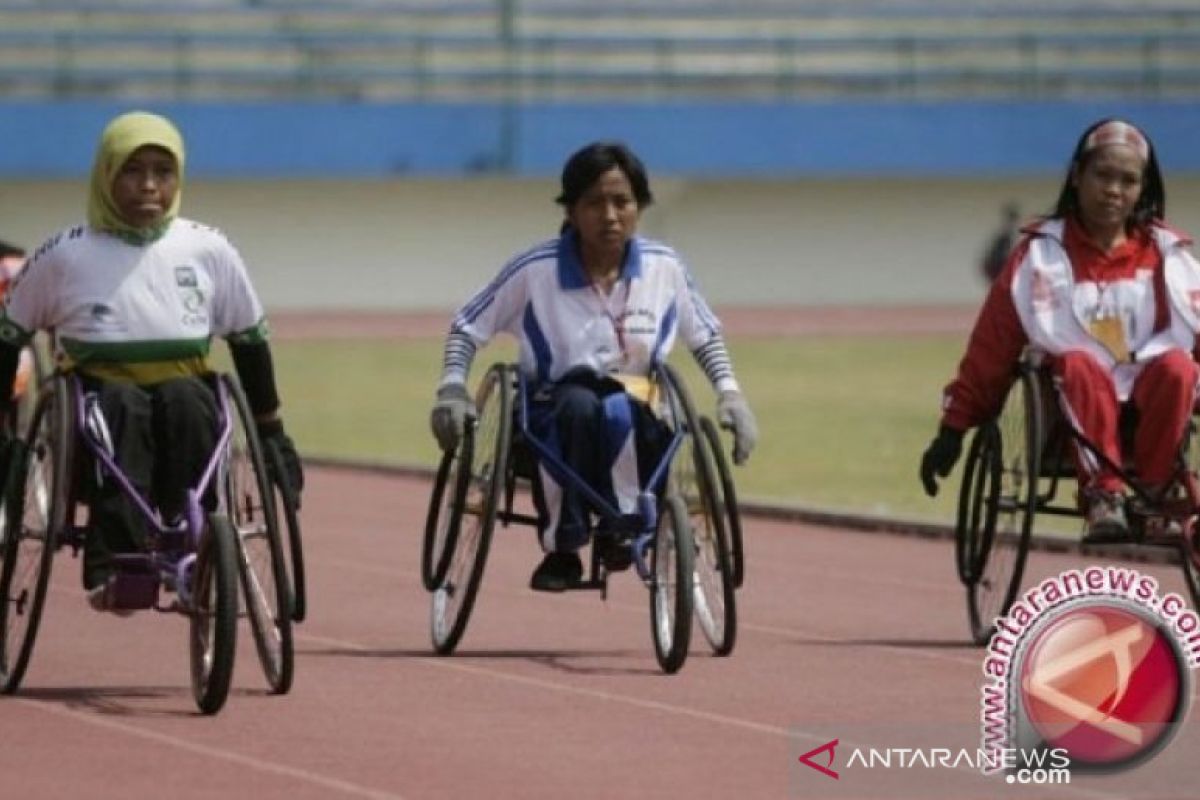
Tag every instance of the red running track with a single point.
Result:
(844, 635)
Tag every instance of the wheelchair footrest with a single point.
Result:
(1156, 529)
(136, 584)
(1162, 538)
(134, 591)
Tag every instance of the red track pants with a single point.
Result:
(1163, 394)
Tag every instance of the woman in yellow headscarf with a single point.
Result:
(116, 190)
(135, 297)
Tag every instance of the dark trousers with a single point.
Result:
(163, 436)
(572, 419)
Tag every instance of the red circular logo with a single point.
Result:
(1103, 680)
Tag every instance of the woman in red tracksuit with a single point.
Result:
(1111, 295)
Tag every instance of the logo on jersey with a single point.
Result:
(186, 277)
(193, 306)
(1194, 298)
(1042, 293)
(101, 318)
(640, 321)
(193, 301)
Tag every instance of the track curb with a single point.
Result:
(810, 515)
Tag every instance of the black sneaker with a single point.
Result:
(557, 572)
(1106, 522)
(616, 552)
(104, 598)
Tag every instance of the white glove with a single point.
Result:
(734, 414)
(449, 416)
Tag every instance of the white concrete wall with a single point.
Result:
(425, 244)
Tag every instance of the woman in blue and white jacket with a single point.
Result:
(589, 307)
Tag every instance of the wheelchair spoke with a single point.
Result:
(997, 504)
(464, 508)
(1008, 505)
(673, 590)
(694, 478)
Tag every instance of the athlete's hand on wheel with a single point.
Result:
(734, 414)
(450, 414)
(271, 434)
(940, 457)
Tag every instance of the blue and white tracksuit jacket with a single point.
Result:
(564, 324)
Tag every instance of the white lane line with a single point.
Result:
(325, 782)
(443, 662)
(640, 610)
(439, 662)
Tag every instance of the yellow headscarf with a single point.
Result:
(120, 139)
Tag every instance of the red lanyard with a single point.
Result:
(616, 320)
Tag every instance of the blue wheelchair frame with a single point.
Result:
(641, 525)
(476, 483)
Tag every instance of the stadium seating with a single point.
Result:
(384, 50)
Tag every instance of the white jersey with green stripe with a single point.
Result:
(112, 301)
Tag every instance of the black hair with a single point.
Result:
(1151, 204)
(588, 163)
(7, 250)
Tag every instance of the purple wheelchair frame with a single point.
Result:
(170, 552)
(642, 525)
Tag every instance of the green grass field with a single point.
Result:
(843, 420)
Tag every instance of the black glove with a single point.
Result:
(940, 457)
(270, 433)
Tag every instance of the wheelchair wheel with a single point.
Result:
(11, 457)
(1189, 554)
(692, 476)
(733, 517)
(214, 605)
(294, 552)
(35, 513)
(32, 372)
(251, 510)
(972, 512)
(25, 402)
(997, 503)
(1190, 557)
(672, 565)
(485, 446)
(444, 518)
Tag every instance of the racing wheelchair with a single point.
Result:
(1015, 467)
(685, 540)
(199, 558)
